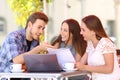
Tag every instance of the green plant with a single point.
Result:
(23, 8)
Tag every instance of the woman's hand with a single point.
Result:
(79, 66)
(45, 45)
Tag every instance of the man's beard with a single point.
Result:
(31, 35)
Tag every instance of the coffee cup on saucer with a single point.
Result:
(16, 68)
(69, 66)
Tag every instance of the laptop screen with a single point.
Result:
(42, 63)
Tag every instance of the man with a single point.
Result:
(24, 41)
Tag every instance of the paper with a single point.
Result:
(64, 55)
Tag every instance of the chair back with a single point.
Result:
(118, 56)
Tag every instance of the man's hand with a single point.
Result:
(42, 47)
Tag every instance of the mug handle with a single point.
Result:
(10, 67)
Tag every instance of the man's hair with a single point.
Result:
(37, 15)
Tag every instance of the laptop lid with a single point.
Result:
(42, 63)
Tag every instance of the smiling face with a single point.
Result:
(35, 30)
(86, 33)
(65, 32)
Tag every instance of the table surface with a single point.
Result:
(44, 75)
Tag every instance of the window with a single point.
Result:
(2, 25)
(111, 27)
(111, 30)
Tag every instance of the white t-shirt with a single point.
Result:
(96, 58)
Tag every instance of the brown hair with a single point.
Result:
(37, 15)
(77, 41)
(93, 23)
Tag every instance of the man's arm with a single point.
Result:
(37, 49)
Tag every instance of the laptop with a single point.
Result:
(42, 63)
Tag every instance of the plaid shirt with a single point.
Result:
(14, 44)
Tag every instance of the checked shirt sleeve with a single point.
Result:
(11, 47)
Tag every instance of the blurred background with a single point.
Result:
(58, 10)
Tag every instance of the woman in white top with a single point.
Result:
(100, 57)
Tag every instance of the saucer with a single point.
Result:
(19, 71)
(69, 70)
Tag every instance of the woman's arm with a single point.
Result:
(84, 59)
(56, 45)
(77, 57)
(106, 68)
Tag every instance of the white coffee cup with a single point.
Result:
(69, 65)
(16, 67)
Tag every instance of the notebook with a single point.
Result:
(42, 63)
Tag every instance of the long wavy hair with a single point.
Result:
(93, 23)
(78, 41)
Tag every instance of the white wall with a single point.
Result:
(10, 21)
(59, 11)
